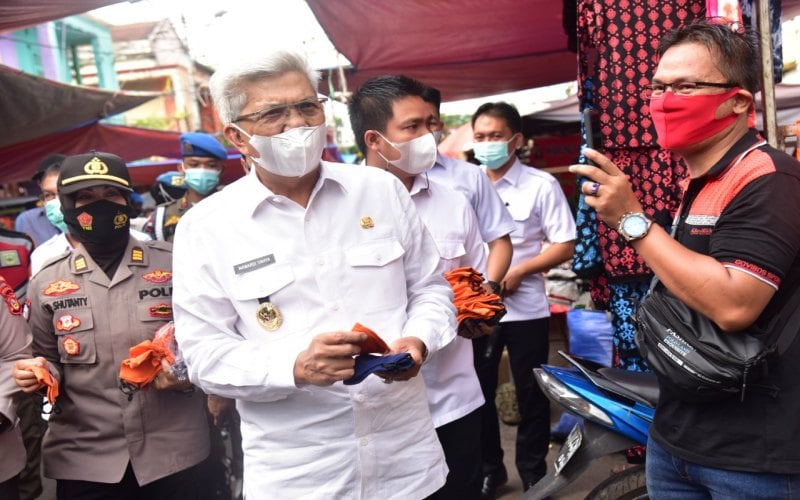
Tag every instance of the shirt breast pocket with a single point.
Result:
(252, 288)
(377, 273)
(451, 252)
(521, 211)
(74, 330)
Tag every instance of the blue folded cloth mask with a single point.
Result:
(370, 363)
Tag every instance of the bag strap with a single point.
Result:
(790, 327)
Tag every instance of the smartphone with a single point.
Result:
(591, 125)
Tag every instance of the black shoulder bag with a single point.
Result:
(691, 354)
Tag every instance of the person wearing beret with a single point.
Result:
(203, 161)
(88, 307)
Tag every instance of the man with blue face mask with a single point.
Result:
(202, 165)
(541, 214)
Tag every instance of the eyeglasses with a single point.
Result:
(682, 88)
(272, 116)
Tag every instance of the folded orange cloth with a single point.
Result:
(470, 298)
(374, 344)
(145, 358)
(43, 376)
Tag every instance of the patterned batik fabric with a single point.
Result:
(749, 13)
(625, 297)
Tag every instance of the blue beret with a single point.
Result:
(200, 144)
(172, 179)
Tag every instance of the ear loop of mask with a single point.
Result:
(381, 154)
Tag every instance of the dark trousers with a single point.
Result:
(33, 427)
(528, 346)
(188, 484)
(462, 452)
(9, 489)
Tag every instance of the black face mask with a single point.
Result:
(99, 222)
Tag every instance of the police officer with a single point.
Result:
(14, 344)
(203, 157)
(202, 165)
(88, 307)
(169, 186)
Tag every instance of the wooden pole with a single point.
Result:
(769, 113)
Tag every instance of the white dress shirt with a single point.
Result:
(358, 253)
(541, 213)
(453, 387)
(467, 178)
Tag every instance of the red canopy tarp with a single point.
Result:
(19, 161)
(465, 48)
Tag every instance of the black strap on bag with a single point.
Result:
(699, 360)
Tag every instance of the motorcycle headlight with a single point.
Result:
(569, 399)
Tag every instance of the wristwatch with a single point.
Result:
(634, 226)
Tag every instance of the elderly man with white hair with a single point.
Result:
(271, 275)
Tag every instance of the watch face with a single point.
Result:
(635, 226)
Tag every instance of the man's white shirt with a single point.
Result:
(358, 253)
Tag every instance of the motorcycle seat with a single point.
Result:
(642, 384)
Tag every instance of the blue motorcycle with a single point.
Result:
(617, 408)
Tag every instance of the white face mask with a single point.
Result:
(416, 156)
(293, 153)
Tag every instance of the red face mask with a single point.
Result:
(683, 120)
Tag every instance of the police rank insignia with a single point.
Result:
(67, 323)
(71, 345)
(367, 222)
(61, 287)
(137, 254)
(160, 311)
(269, 316)
(157, 276)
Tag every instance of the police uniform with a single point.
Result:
(15, 266)
(84, 322)
(14, 345)
(166, 216)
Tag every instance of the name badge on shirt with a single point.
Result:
(252, 265)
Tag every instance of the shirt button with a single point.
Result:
(360, 398)
(363, 441)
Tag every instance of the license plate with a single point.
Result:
(568, 449)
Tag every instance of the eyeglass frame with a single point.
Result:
(254, 116)
(693, 86)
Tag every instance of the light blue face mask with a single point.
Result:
(492, 154)
(52, 210)
(201, 180)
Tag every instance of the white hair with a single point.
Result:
(227, 83)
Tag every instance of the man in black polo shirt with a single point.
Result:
(734, 258)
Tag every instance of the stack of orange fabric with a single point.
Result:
(145, 362)
(470, 298)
